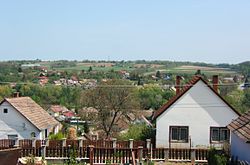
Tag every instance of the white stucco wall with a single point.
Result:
(199, 108)
(240, 148)
(13, 123)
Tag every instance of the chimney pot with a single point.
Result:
(177, 84)
(215, 82)
(16, 94)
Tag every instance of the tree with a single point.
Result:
(113, 99)
(158, 74)
(153, 96)
(90, 69)
(5, 91)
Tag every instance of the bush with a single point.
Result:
(57, 136)
(138, 132)
(216, 158)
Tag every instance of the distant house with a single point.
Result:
(197, 116)
(57, 110)
(69, 114)
(23, 118)
(240, 137)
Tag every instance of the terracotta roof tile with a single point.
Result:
(34, 113)
(241, 126)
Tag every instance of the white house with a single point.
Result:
(197, 116)
(23, 118)
(240, 137)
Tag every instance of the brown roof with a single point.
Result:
(241, 126)
(183, 91)
(34, 113)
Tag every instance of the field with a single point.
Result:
(149, 68)
(188, 69)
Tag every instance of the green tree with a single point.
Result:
(153, 96)
(113, 99)
(158, 74)
(236, 98)
(5, 91)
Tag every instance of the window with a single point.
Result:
(179, 134)
(46, 133)
(219, 134)
(12, 137)
(32, 134)
(5, 110)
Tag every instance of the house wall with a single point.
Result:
(199, 108)
(13, 123)
(240, 148)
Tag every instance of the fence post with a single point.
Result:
(166, 154)
(140, 154)
(44, 144)
(148, 143)
(192, 156)
(80, 142)
(33, 142)
(16, 142)
(64, 142)
(131, 143)
(114, 142)
(91, 154)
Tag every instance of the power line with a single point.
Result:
(104, 86)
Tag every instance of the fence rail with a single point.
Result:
(104, 151)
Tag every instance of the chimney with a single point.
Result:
(16, 94)
(177, 84)
(215, 82)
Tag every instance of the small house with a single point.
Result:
(23, 118)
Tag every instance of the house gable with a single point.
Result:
(14, 123)
(32, 112)
(199, 108)
(199, 97)
(187, 87)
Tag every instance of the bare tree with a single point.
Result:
(113, 99)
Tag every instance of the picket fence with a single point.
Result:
(104, 151)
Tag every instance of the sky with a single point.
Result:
(211, 31)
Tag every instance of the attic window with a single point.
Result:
(5, 110)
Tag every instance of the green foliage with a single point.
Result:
(48, 95)
(158, 74)
(152, 96)
(215, 158)
(5, 91)
(239, 99)
(58, 136)
(72, 153)
(138, 132)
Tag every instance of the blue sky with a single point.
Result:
(213, 31)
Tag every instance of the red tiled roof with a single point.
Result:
(241, 126)
(58, 108)
(33, 112)
(183, 91)
(69, 114)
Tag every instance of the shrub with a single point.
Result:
(57, 136)
(216, 158)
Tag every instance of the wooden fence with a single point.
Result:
(104, 151)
